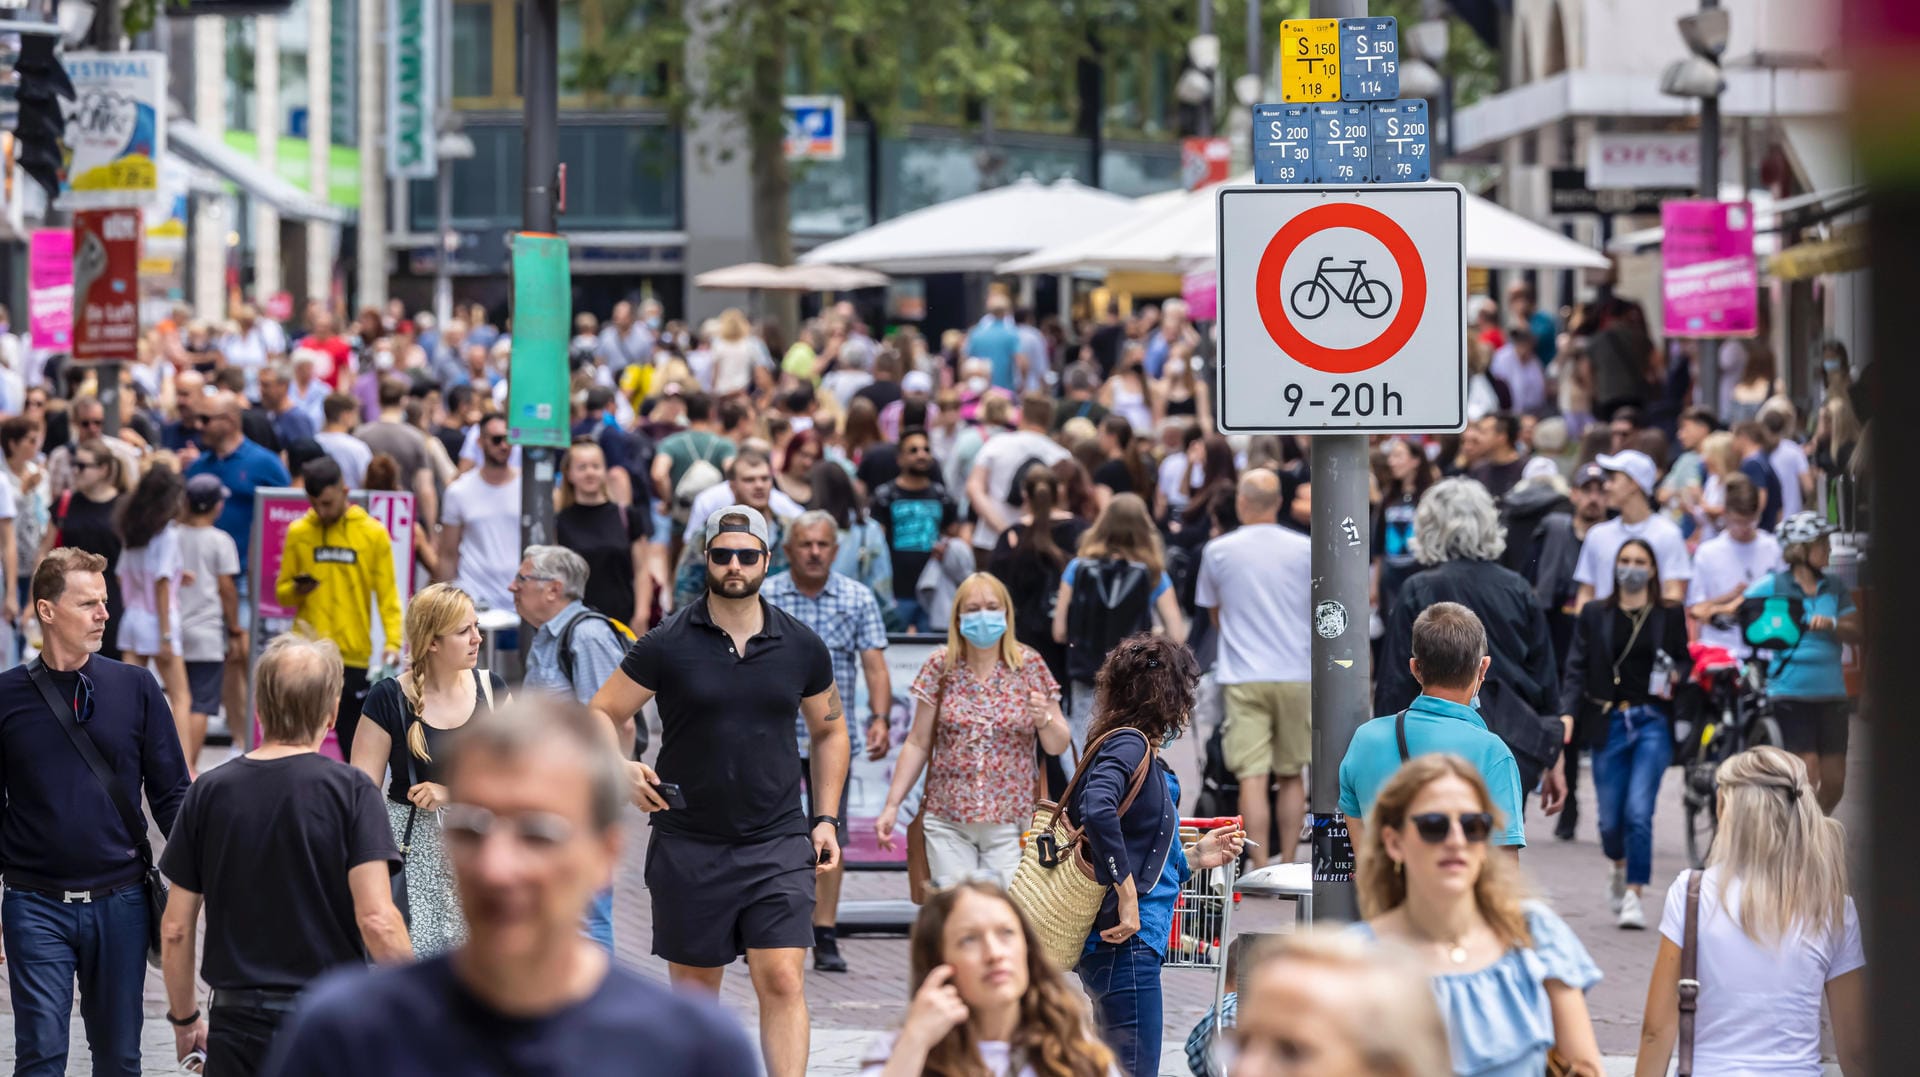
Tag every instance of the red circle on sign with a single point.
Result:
(1271, 294)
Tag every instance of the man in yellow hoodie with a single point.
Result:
(337, 564)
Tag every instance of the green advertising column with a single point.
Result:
(538, 413)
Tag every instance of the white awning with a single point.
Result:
(977, 232)
(250, 175)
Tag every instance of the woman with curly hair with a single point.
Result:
(149, 572)
(1510, 977)
(1143, 699)
(986, 999)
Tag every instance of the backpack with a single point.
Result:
(564, 651)
(1112, 599)
(1016, 495)
(700, 476)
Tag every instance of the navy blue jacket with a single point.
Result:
(1136, 844)
(58, 827)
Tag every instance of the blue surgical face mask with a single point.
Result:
(1167, 741)
(983, 628)
(1831, 365)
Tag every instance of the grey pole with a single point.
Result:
(1204, 26)
(1256, 49)
(1342, 662)
(540, 169)
(1710, 189)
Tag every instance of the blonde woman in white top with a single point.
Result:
(1776, 932)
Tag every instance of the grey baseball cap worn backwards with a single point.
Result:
(725, 520)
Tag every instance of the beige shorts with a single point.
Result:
(1269, 728)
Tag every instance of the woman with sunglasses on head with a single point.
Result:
(1509, 976)
(985, 998)
(1143, 699)
(1775, 932)
(1629, 657)
(403, 735)
(982, 702)
(83, 518)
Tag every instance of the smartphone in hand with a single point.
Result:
(670, 792)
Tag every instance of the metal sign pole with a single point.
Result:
(1342, 665)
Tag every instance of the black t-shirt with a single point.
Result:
(881, 393)
(388, 708)
(913, 521)
(269, 843)
(1498, 478)
(419, 1020)
(453, 437)
(1114, 476)
(604, 534)
(726, 720)
(1106, 344)
(88, 525)
(879, 465)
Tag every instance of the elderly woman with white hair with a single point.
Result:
(1458, 538)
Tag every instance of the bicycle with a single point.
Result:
(1371, 298)
(1740, 717)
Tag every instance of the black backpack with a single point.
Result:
(1112, 599)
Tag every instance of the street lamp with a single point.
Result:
(1698, 76)
(451, 145)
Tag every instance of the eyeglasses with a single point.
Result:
(746, 558)
(496, 439)
(82, 465)
(191, 421)
(467, 828)
(90, 424)
(1436, 827)
(523, 579)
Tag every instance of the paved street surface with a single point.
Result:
(849, 1010)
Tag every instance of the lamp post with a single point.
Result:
(452, 145)
(1698, 76)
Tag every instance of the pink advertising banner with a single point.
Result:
(50, 289)
(1709, 279)
(1201, 290)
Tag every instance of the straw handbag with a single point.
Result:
(1055, 885)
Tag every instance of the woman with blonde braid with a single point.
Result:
(403, 732)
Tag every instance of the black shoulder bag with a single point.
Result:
(136, 823)
(399, 878)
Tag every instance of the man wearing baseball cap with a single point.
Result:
(1557, 543)
(731, 864)
(1631, 477)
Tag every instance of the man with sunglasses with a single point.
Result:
(732, 860)
(1450, 663)
(73, 843)
(480, 524)
(85, 419)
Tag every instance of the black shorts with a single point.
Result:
(1813, 726)
(713, 902)
(806, 790)
(204, 680)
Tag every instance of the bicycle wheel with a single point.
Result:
(1310, 299)
(1372, 298)
(1703, 812)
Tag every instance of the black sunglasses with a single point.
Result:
(496, 439)
(1436, 827)
(746, 558)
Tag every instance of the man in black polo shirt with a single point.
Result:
(731, 866)
(75, 902)
(291, 854)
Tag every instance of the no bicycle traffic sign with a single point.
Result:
(1342, 309)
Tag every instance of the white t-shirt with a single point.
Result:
(1789, 462)
(9, 508)
(1719, 566)
(1605, 539)
(490, 540)
(206, 554)
(996, 1054)
(1759, 1005)
(720, 495)
(1172, 470)
(140, 569)
(1260, 580)
(1002, 456)
(352, 454)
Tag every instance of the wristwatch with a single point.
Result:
(833, 819)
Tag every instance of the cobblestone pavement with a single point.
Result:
(848, 1010)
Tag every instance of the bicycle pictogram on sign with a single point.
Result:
(1369, 298)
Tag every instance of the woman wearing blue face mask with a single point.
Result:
(982, 701)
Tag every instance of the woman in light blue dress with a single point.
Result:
(1509, 976)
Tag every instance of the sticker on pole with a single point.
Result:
(1341, 309)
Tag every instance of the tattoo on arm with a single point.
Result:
(834, 707)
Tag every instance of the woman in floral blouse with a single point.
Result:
(982, 700)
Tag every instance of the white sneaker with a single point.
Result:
(1631, 918)
(1616, 888)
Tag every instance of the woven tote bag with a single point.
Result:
(1062, 898)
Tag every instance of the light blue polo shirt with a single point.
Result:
(1433, 725)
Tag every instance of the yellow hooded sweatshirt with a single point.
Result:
(352, 558)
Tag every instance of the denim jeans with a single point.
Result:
(1626, 784)
(912, 614)
(49, 943)
(1124, 983)
(598, 925)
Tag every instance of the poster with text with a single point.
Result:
(116, 127)
(106, 285)
(1709, 281)
(50, 289)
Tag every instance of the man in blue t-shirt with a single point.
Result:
(1750, 440)
(532, 831)
(242, 466)
(1450, 661)
(996, 340)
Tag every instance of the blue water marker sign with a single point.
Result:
(1341, 138)
(1369, 59)
(1282, 144)
(1401, 150)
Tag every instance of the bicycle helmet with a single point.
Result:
(1803, 527)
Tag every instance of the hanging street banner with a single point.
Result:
(116, 128)
(412, 63)
(50, 289)
(1709, 281)
(539, 404)
(106, 285)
